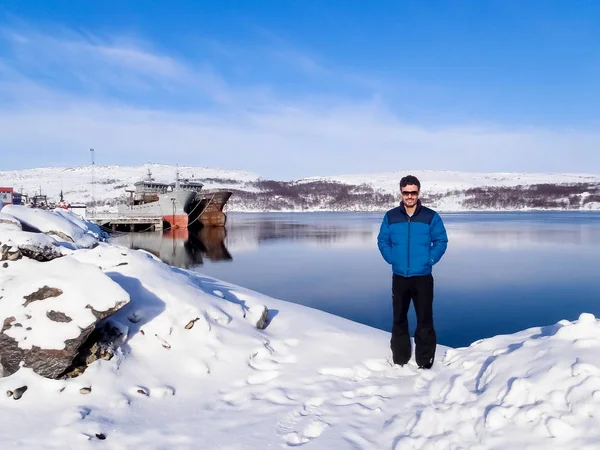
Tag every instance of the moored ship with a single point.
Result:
(206, 208)
(180, 204)
(152, 198)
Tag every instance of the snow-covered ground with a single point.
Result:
(439, 181)
(111, 181)
(195, 372)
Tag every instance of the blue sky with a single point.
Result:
(289, 89)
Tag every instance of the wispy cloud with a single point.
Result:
(94, 65)
(70, 91)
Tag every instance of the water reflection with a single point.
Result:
(500, 230)
(503, 272)
(181, 247)
(249, 232)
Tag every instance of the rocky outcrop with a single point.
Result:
(59, 225)
(42, 252)
(48, 311)
(8, 252)
(101, 344)
(15, 244)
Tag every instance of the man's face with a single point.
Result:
(410, 195)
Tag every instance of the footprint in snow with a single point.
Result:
(262, 377)
(304, 424)
(311, 431)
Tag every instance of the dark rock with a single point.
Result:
(122, 264)
(58, 316)
(46, 362)
(38, 251)
(7, 324)
(258, 315)
(5, 265)
(49, 363)
(191, 323)
(41, 253)
(9, 393)
(18, 393)
(9, 253)
(42, 294)
(85, 390)
(101, 436)
(101, 344)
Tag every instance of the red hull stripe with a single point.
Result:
(178, 221)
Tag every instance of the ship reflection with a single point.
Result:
(181, 247)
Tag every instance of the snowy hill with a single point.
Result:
(438, 181)
(445, 190)
(192, 370)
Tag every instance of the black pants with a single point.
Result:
(420, 291)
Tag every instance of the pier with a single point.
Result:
(117, 222)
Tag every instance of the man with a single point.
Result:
(412, 239)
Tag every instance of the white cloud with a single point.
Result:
(253, 127)
(285, 143)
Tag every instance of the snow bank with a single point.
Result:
(63, 225)
(13, 238)
(10, 222)
(194, 371)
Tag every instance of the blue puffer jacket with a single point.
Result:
(412, 245)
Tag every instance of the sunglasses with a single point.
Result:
(407, 193)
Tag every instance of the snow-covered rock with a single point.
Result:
(47, 311)
(62, 225)
(258, 315)
(15, 243)
(9, 222)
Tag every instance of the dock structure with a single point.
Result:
(117, 222)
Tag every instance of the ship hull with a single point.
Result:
(171, 206)
(206, 209)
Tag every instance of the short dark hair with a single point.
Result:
(410, 179)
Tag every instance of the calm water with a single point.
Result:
(503, 272)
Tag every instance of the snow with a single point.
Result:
(13, 236)
(111, 182)
(440, 181)
(64, 225)
(37, 328)
(195, 372)
(10, 221)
